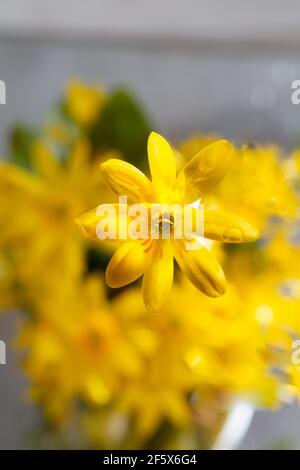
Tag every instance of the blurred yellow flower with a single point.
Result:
(37, 216)
(148, 370)
(79, 348)
(84, 102)
(96, 360)
(7, 294)
(195, 143)
(258, 185)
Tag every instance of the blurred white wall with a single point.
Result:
(196, 20)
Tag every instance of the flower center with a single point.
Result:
(163, 223)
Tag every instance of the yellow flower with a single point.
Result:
(274, 297)
(37, 213)
(84, 102)
(258, 185)
(7, 298)
(83, 346)
(144, 369)
(196, 143)
(154, 258)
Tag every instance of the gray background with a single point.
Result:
(242, 91)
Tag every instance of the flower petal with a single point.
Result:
(45, 164)
(124, 179)
(205, 170)
(158, 278)
(88, 222)
(128, 263)
(117, 219)
(228, 228)
(14, 180)
(162, 165)
(201, 268)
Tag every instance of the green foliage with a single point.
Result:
(123, 126)
(97, 260)
(21, 140)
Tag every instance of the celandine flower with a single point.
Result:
(259, 184)
(153, 258)
(84, 102)
(37, 213)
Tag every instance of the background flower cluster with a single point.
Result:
(105, 372)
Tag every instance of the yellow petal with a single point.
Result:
(124, 179)
(205, 170)
(201, 268)
(128, 263)
(84, 102)
(162, 166)
(46, 164)
(176, 407)
(14, 180)
(228, 228)
(89, 220)
(148, 420)
(158, 278)
(79, 160)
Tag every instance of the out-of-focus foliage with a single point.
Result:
(122, 126)
(105, 372)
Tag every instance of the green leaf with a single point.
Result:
(123, 126)
(20, 143)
